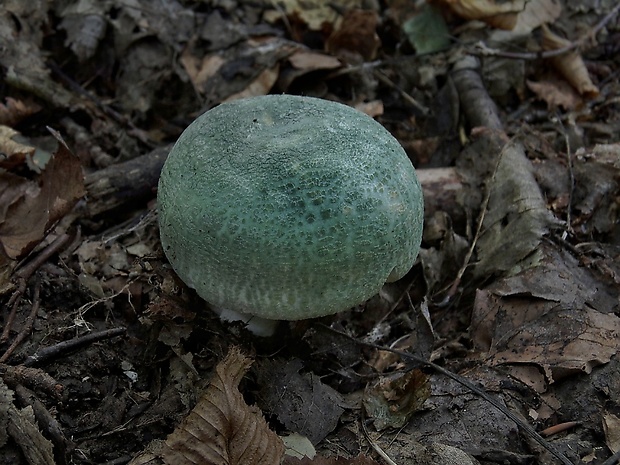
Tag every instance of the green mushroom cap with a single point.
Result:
(288, 207)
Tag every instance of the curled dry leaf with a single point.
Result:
(14, 152)
(393, 399)
(570, 65)
(13, 111)
(502, 15)
(222, 429)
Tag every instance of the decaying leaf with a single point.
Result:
(228, 73)
(13, 151)
(85, 24)
(222, 429)
(25, 66)
(517, 215)
(569, 65)
(13, 111)
(392, 400)
(611, 427)
(499, 14)
(301, 402)
(537, 13)
(29, 208)
(357, 35)
(556, 93)
(315, 13)
(555, 315)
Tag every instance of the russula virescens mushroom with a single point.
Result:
(286, 208)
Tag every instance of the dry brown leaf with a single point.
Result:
(260, 86)
(13, 152)
(502, 15)
(537, 13)
(30, 208)
(308, 60)
(556, 93)
(555, 316)
(392, 400)
(13, 111)
(315, 13)
(222, 429)
(611, 427)
(357, 35)
(570, 65)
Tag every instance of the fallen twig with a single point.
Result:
(49, 353)
(29, 323)
(23, 275)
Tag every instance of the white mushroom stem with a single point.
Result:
(258, 326)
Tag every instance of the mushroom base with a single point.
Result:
(258, 326)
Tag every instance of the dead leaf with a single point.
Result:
(13, 111)
(85, 24)
(537, 13)
(25, 66)
(315, 13)
(392, 400)
(357, 35)
(30, 208)
(222, 429)
(248, 67)
(260, 86)
(555, 315)
(301, 402)
(611, 427)
(517, 215)
(570, 65)
(308, 60)
(499, 14)
(556, 93)
(13, 152)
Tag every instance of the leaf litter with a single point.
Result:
(517, 284)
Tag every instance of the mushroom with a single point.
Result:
(284, 207)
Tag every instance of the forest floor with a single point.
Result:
(500, 346)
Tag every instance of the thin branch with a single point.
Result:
(49, 353)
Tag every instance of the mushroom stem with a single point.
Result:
(258, 326)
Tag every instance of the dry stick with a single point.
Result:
(374, 445)
(483, 50)
(483, 211)
(407, 97)
(469, 385)
(33, 378)
(571, 178)
(24, 274)
(25, 331)
(48, 353)
(47, 423)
